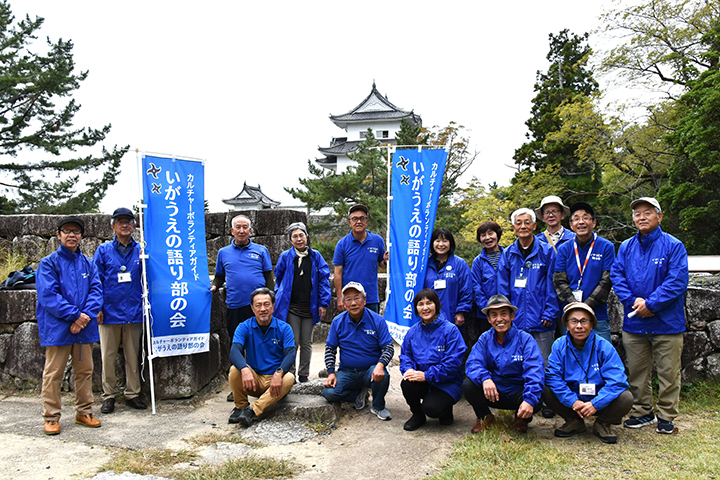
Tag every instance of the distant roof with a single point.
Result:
(375, 107)
(339, 148)
(251, 196)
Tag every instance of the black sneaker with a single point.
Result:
(639, 422)
(247, 415)
(235, 415)
(664, 426)
(547, 412)
(415, 422)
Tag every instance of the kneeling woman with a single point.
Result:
(586, 377)
(505, 369)
(431, 364)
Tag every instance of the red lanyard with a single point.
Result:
(587, 258)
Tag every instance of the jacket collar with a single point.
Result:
(588, 342)
(254, 323)
(509, 336)
(646, 240)
(65, 252)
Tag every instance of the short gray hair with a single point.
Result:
(296, 226)
(522, 211)
(262, 291)
(232, 223)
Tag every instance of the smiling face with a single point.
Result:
(354, 303)
(646, 218)
(553, 213)
(70, 236)
(298, 239)
(489, 240)
(582, 224)
(358, 222)
(262, 307)
(123, 227)
(241, 230)
(441, 245)
(524, 226)
(501, 319)
(579, 325)
(426, 310)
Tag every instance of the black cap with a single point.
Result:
(357, 207)
(72, 219)
(582, 206)
(123, 212)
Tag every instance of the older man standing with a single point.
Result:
(357, 257)
(366, 348)
(69, 296)
(120, 320)
(650, 277)
(582, 267)
(268, 345)
(552, 211)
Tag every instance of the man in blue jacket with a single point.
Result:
(69, 296)
(120, 320)
(650, 277)
(262, 353)
(504, 369)
(582, 267)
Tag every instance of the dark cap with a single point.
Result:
(498, 301)
(72, 219)
(357, 207)
(123, 212)
(582, 206)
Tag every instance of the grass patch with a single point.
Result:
(700, 397)
(10, 262)
(148, 462)
(227, 437)
(241, 469)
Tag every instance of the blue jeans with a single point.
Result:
(603, 329)
(351, 380)
(544, 341)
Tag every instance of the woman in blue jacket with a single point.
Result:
(302, 291)
(586, 377)
(484, 268)
(449, 277)
(431, 364)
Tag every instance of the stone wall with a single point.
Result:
(21, 357)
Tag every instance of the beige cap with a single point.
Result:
(579, 306)
(551, 199)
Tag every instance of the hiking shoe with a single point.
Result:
(246, 416)
(87, 420)
(415, 422)
(639, 422)
(360, 399)
(666, 427)
(603, 431)
(235, 415)
(571, 427)
(383, 414)
(52, 427)
(230, 397)
(483, 424)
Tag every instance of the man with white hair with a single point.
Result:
(552, 211)
(650, 277)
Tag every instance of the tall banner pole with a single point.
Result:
(391, 150)
(145, 290)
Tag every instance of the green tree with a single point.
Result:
(36, 113)
(410, 134)
(481, 204)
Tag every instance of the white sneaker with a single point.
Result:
(383, 414)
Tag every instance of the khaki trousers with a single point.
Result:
(56, 359)
(262, 390)
(111, 337)
(664, 351)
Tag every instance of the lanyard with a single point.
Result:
(587, 257)
(587, 372)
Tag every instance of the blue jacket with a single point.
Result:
(538, 300)
(457, 295)
(436, 349)
(319, 277)
(514, 366)
(122, 302)
(567, 235)
(67, 285)
(605, 369)
(484, 280)
(656, 269)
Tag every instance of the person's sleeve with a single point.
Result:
(219, 280)
(49, 294)
(219, 265)
(477, 284)
(288, 358)
(269, 279)
(266, 262)
(675, 282)
(476, 365)
(533, 371)
(238, 347)
(280, 270)
(601, 292)
(325, 293)
(386, 354)
(562, 287)
(99, 263)
(330, 354)
(94, 300)
(381, 251)
(407, 357)
(503, 274)
(613, 373)
(465, 294)
(339, 255)
(620, 285)
(555, 374)
(551, 311)
(288, 347)
(452, 361)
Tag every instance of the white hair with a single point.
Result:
(232, 223)
(522, 211)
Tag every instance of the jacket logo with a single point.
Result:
(440, 348)
(275, 341)
(517, 358)
(373, 250)
(254, 255)
(85, 275)
(370, 332)
(658, 261)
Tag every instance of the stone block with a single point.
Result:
(308, 407)
(712, 367)
(320, 332)
(275, 244)
(694, 371)
(215, 225)
(702, 305)
(616, 313)
(275, 221)
(26, 358)
(695, 344)
(13, 225)
(17, 306)
(41, 225)
(713, 330)
(52, 245)
(313, 387)
(213, 247)
(5, 340)
(98, 225)
(30, 246)
(251, 214)
(88, 245)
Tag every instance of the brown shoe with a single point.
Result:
(87, 420)
(520, 425)
(483, 424)
(52, 427)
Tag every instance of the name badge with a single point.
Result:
(578, 295)
(440, 284)
(587, 389)
(124, 277)
(520, 282)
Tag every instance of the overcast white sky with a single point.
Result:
(248, 86)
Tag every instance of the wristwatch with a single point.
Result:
(279, 370)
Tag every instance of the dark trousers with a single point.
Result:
(476, 396)
(611, 414)
(432, 402)
(235, 316)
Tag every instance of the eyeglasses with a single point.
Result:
(552, 212)
(353, 300)
(358, 219)
(125, 221)
(69, 232)
(573, 322)
(298, 236)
